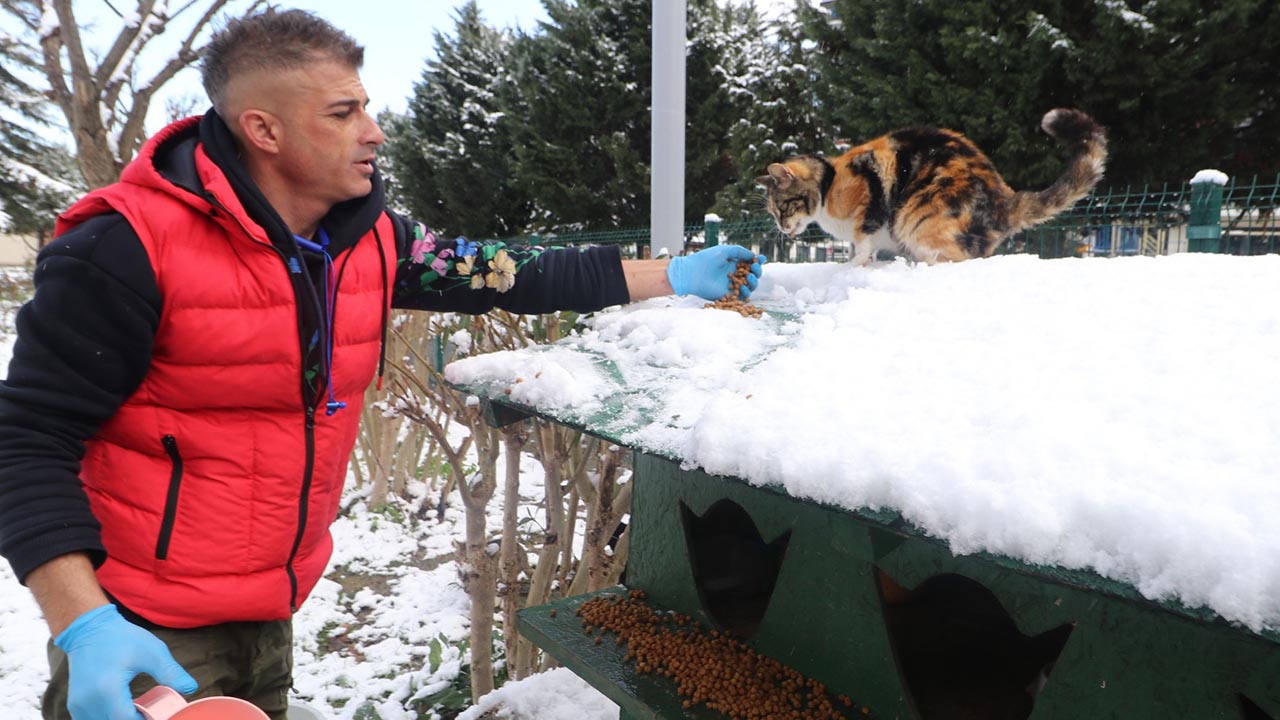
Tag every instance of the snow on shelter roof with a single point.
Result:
(1119, 416)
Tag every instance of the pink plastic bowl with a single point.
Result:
(165, 703)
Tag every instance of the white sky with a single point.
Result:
(397, 36)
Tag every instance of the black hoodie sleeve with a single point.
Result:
(434, 274)
(84, 345)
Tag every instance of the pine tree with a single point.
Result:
(450, 154)
(770, 87)
(37, 177)
(582, 96)
(722, 36)
(977, 66)
(1183, 85)
(1179, 84)
(570, 148)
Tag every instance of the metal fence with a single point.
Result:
(1251, 223)
(1239, 218)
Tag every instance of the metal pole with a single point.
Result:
(666, 180)
(1204, 227)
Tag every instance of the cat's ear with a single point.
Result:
(780, 175)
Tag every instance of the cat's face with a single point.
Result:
(792, 195)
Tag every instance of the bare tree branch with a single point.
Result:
(21, 10)
(603, 519)
(51, 47)
(124, 44)
(104, 104)
(511, 555)
(132, 132)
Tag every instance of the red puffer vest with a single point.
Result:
(214, 484)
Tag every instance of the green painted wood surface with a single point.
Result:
(1125, 656)
(624, 408)
(823, 618)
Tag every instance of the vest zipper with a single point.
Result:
(303, 503)
(299, 280)
(309, 407)
(171, 498)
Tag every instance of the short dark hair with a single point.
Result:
(272, 40)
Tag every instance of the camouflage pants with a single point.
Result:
(248, 660)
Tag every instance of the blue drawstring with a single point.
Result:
(330, 300)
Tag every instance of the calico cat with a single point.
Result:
(928, 192)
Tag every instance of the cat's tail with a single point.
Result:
(1088, 139)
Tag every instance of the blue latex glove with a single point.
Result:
(104, 653)
(706, 272)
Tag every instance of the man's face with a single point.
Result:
(326, 141)
(330, 141)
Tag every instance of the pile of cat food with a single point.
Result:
(731, 301)
(712, 668)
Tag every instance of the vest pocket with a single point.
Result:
(171, 498)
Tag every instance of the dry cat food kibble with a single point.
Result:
(710, 668)
(731, 301)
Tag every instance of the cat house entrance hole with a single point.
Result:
(734, 569)
(960, 653)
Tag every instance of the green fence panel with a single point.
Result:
(1251, 217)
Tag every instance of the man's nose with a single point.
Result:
(373, 134)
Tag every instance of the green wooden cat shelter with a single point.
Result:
(870, 606)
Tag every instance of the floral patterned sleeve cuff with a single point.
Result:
(442, 265)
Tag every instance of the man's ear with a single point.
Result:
(782, 175)
(260, 129)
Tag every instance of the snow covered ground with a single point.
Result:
(1120, 416)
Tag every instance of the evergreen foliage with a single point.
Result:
(38, 178)
(1181, 84)
(450, 154)
(574, 100)
(548, 129)
(714, 36)
(770, 89)
(581, 144)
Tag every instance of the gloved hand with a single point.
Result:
(706, 272)
(104, 653)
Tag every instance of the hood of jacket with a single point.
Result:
(167, 162)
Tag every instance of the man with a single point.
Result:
(186, 384)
